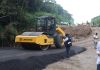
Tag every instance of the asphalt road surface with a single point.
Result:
(21, 59)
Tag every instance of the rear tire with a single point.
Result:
(58, 41)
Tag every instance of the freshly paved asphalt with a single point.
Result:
(21, 59)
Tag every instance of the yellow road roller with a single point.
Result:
(45, 34)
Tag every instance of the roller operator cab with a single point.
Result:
(46, 34)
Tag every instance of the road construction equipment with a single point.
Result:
(46, 33)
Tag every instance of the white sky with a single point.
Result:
(81, 10)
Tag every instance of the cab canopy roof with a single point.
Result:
(44, 17)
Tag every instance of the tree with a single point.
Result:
(96, 21)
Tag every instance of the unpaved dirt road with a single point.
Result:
(82, 61)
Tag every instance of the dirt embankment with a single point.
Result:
(78, 31)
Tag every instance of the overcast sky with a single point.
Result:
(82, 10)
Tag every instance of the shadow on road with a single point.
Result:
(37, 62)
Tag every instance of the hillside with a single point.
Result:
(17, 16)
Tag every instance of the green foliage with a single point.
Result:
(56, 9)
(19, 8)
(10, 32)
(7, 35)
(96, 21)
(1, 29)
(8, 7)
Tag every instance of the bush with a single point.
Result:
(10, 34)
(7, 35)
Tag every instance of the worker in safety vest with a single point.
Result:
(68, 44)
